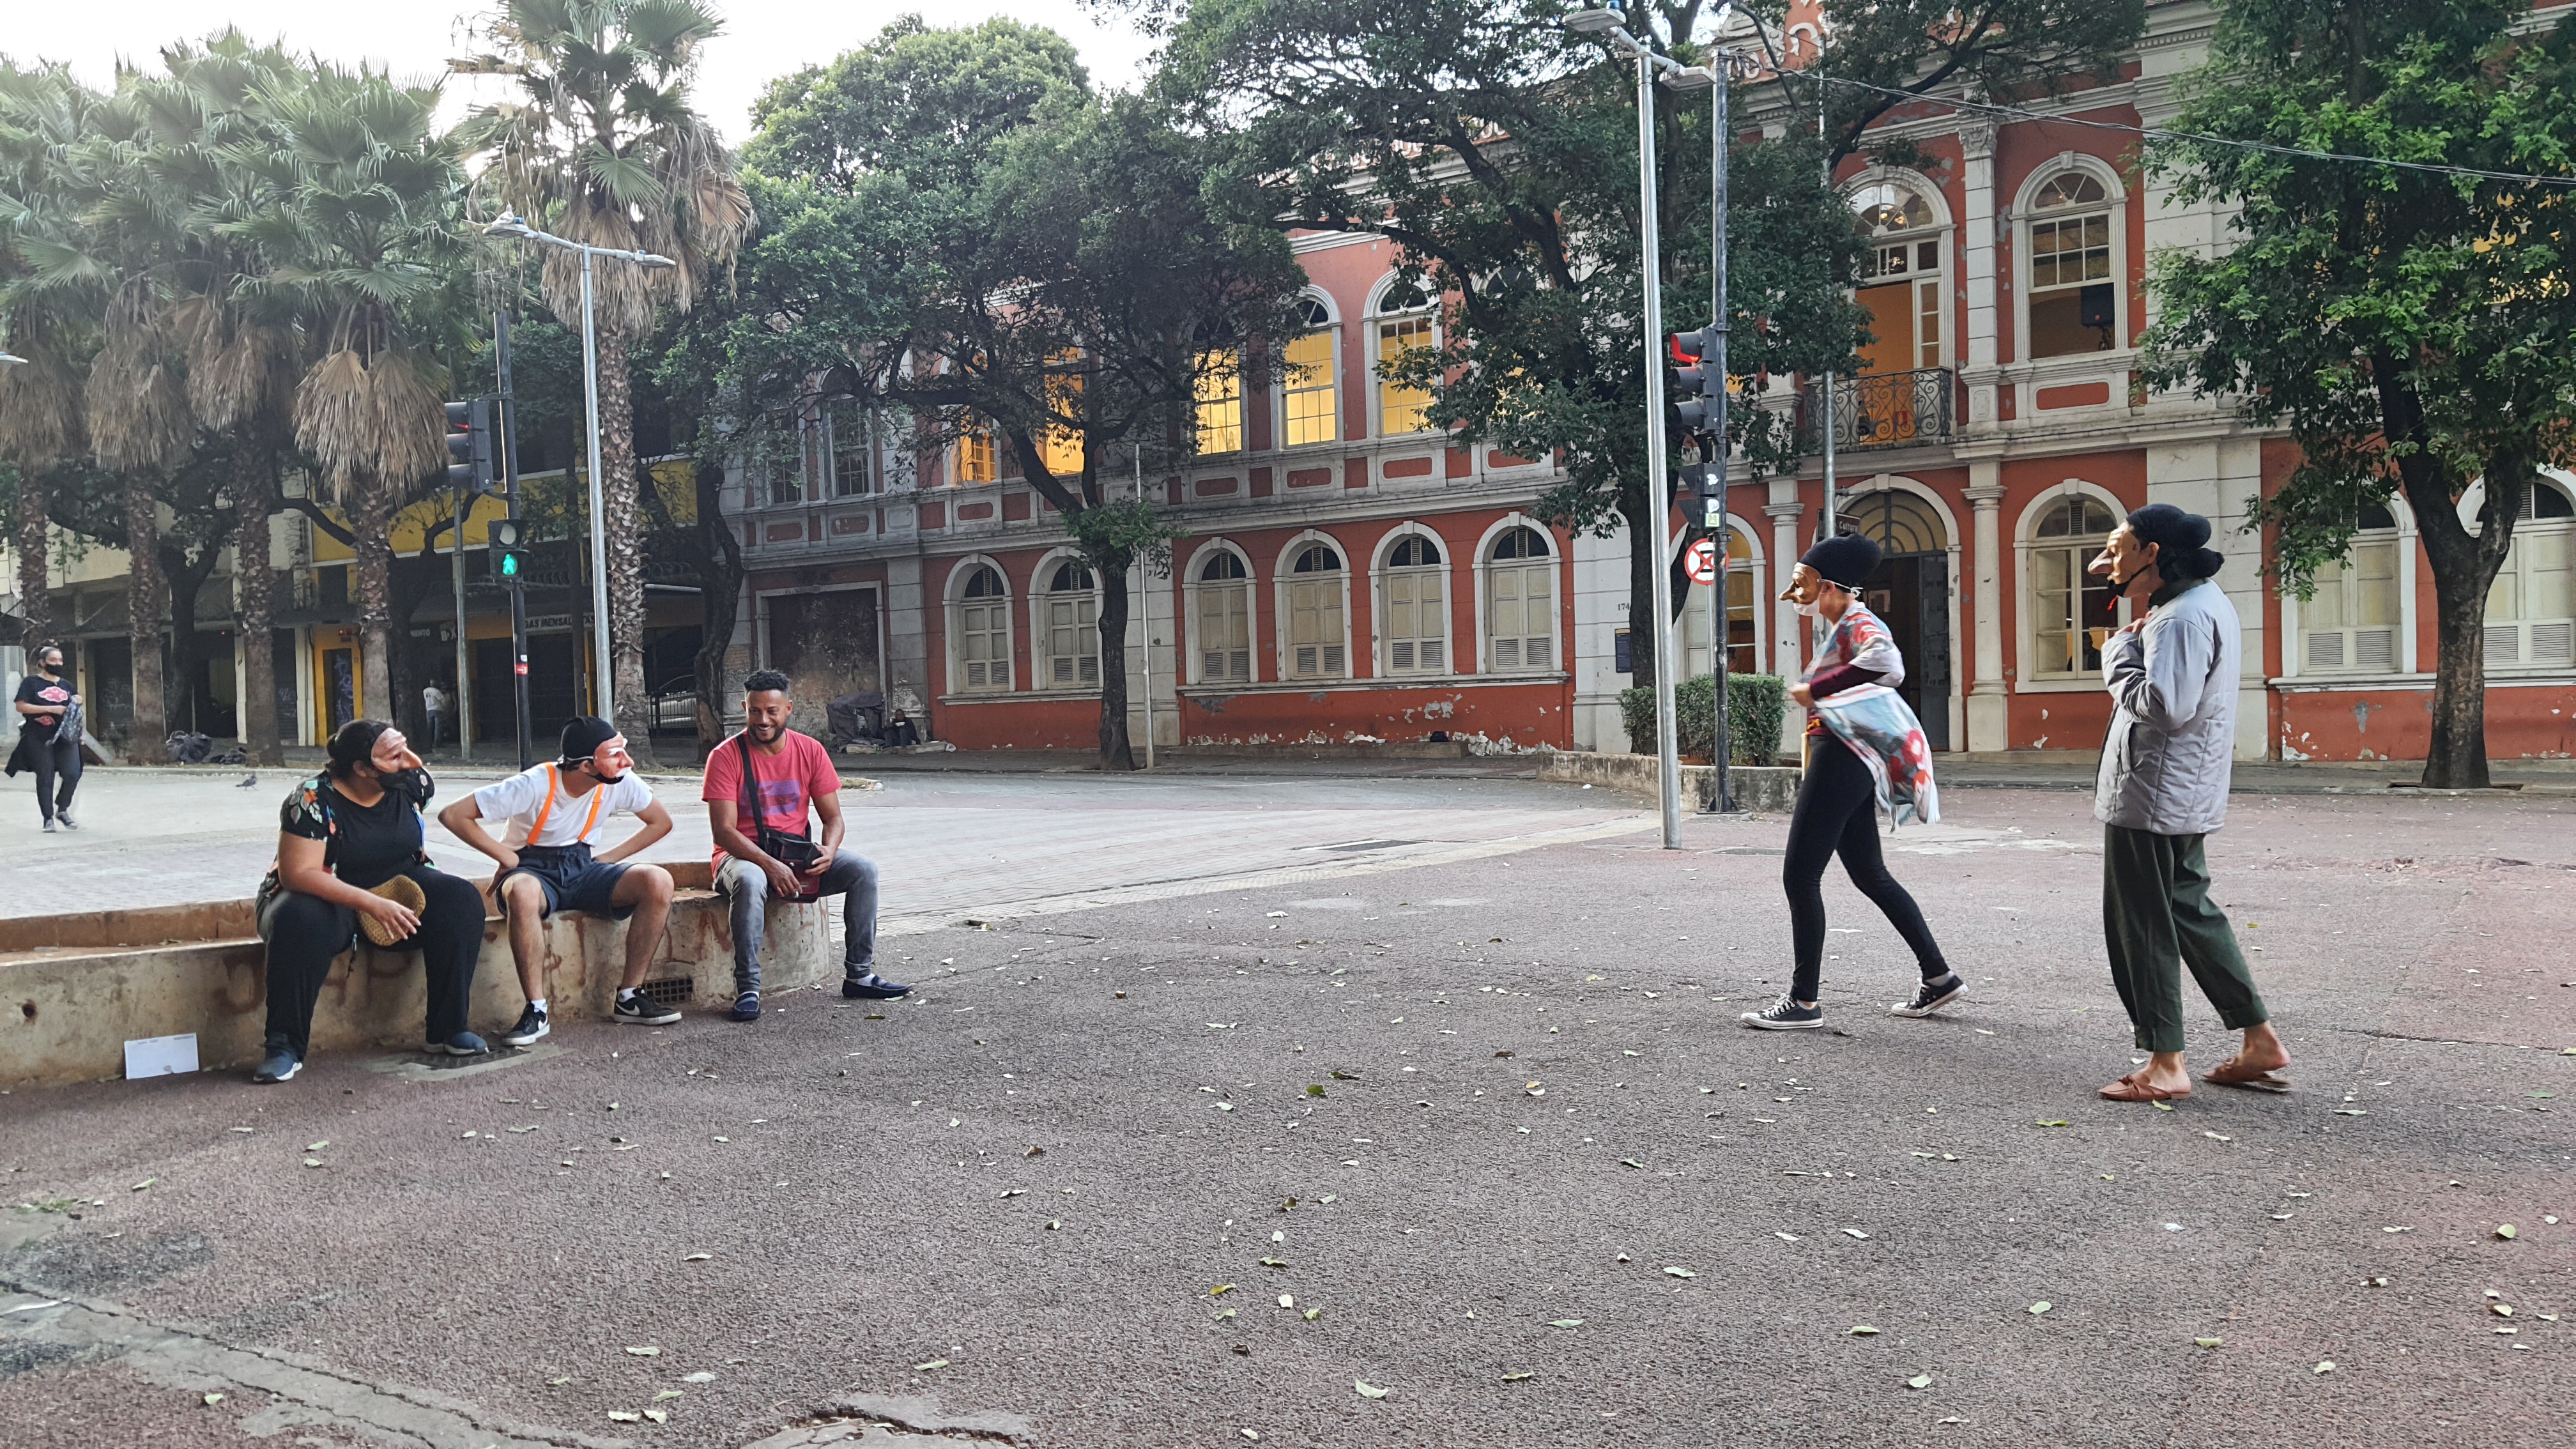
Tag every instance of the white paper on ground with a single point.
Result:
(160, 1056)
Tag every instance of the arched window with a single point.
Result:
(981, 629)
(1224, 610)
(2531, 607)
(2065, 601)
(1901, 282)
(1520, 602)
(2351, 622)
(1415, 623)
(1070, 610)
(2073, 308)
(1740, 606)
(1405, 326)
(1316, 632)
(1311, 393)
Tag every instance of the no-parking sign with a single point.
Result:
(1702, 561)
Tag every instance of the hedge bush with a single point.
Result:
(1755, 707)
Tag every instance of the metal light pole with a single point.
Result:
(1716, 78)
(603, 669)
(1659, 507)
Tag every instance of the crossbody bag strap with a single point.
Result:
(750, 780)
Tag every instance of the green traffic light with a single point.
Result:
(509, 565)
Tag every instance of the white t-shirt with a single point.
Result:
(573, 817)
(433, 699)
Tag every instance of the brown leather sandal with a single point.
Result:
(2130, 1089)
(2229, 1074)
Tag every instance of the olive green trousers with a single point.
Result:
(2157, 917)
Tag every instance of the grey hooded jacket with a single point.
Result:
(2172, 746)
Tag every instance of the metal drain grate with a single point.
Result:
(669, 991)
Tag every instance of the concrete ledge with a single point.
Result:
(1757, 787)
(1289, 750)
(69, 1001)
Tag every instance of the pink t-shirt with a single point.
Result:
(790, 782)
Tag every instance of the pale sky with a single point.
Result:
(762, 39)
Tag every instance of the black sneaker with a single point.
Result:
(1932, 995)
(1785, 1014)
(463, 1044)
(641, 1010)
(872, 987)
(281, 1066)
(532, 1028)
(746, 1007)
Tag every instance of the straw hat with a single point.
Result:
(403, 890)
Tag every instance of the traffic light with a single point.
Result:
(469, 445)
(509, 544)
(1693, 387)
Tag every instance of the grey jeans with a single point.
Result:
(851, 875)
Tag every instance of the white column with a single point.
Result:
(2213, 478)
(1989, 722)
(1977, 249)
(1788, 631)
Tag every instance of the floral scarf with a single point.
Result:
(1872, 718)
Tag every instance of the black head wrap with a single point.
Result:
(1844, 560)
(2181, 539)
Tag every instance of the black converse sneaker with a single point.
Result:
(531, 1029)
(1932, 995)
(640, 1010)
(1785, 1014)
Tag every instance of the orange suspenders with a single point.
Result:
(538, 826)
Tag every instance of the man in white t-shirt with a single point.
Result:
(554, 812)
(435, 703)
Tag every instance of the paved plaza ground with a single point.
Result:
(1448, 1063)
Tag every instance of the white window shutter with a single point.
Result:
(1507, 654)
(2375, 649)
(1332, 659)
(2325, 649)
(1432, 650)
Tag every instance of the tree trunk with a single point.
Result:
(618, 484)
(720, 575)
(1116, 751)
(147, 738)
(2456, 758)
(186, 577)
(409, 663)
(254, 493)
(373, 517)
(34, 533)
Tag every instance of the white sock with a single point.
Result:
(626, 993)
(537, 1004)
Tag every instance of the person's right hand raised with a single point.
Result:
(394, 916)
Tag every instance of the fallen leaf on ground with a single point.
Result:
(1220, 1290)
(2042, 1306)
(936, 1363)
(314, 1146)
(668, 1394)
(1313, 1313)
(147, 1182)
(1856, 1233)
(622, 1416)
(2505, 1231)
(644, 1352)
(697, 1257)
(1919, 1381)
(1565, 1323)
(213, 1399)
(1861, 1330)
(658, 1416)
(2326, 1367)
(2209, 1342)
(1518, 1377)
(700, 1377)
(2060, 1121)
(1680, 1273)
(1368, 1390)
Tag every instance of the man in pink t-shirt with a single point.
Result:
(790, 775)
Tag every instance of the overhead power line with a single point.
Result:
(2158, 133)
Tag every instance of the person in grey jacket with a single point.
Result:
(2162, 789)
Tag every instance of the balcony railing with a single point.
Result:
(1883, 410)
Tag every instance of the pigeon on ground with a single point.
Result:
(247, 782)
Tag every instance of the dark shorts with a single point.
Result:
(571, 880)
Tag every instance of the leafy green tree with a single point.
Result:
(44, 317)
(1499, 152)
(962, 230)
(605, 148)
(2409, 329)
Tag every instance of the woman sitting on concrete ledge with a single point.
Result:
(349, 847)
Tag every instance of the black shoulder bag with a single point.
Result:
(796, 851)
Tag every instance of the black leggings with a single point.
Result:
(306, 933)
(1838, 810)
(61, 758)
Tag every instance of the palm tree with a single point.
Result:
(213, 122)
(604, 149)
(357, 228)
(45, 315)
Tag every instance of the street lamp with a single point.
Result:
(508, 226)
(1605, 23)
